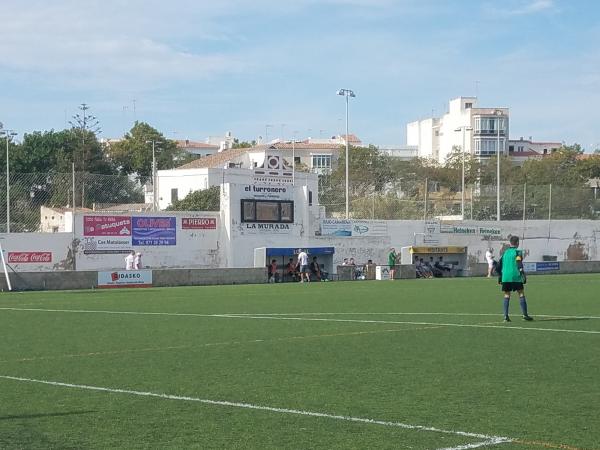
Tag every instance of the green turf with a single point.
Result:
(538, 386)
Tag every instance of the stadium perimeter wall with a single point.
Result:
(69, 280)
(220, 247)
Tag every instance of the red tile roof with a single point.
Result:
(351, 138)
(298, 146)
(217, 160)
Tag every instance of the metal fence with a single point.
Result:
(406, 199)
(426, 200)
(28, 193)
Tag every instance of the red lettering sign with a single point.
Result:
(199, 223)
(106, 226)
(29, 257)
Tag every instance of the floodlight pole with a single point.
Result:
(462, 154)
(8, 134)
(498, 114)
(347, 93)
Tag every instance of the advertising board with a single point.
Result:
(154, 231)
(125, 278)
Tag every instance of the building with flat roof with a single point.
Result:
(484, 131)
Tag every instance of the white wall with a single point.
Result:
(421, 133)
(195, 248)
(233, 245)
(57, 244)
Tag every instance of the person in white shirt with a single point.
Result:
(489, 257)
(137, 261)
(129, 260)
(303, 262)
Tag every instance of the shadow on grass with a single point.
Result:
(40, 415)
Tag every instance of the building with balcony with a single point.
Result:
(484, 131)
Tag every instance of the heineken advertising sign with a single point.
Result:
(467, 230)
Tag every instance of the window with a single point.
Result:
(267, 211)
(511, 148)
(468, 105)
(521, 148)
(248, 211)
(296, 160)
(287, 212)
(275, 211)
(309, 198)
(174, 196)
(486, 146)
(321, 161)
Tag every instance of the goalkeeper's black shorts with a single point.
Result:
(512, 286)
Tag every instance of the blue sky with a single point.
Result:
(200, 68)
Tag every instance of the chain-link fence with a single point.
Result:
(425, 200)
(37, 201)
(34, 197)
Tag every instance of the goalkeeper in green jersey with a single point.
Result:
(512, 277)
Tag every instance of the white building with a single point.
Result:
(522, 146)
(484, 131)
(175, 184)
(58, 220)
(197, 148)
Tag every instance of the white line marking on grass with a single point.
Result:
(495, 441)
(489, 439)
(552, 316)
(459, 325)
(310, 319)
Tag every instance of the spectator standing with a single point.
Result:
(315, 269)
(303, 262)
(273, 274)
(489, 257)
(130, 260)
(137, 261)
(291, 270)
(392, 261)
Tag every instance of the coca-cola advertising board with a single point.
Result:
(107, 226)
(198, 223)
(29, 257)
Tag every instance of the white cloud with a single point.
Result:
(104, 44)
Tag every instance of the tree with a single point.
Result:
(201, 200)
(561, 168)
(133, 154)
(243, 144)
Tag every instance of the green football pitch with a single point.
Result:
(415, 364)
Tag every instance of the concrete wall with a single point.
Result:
(68, 280)
(232, 244)
(58, 244)
(195, 248)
